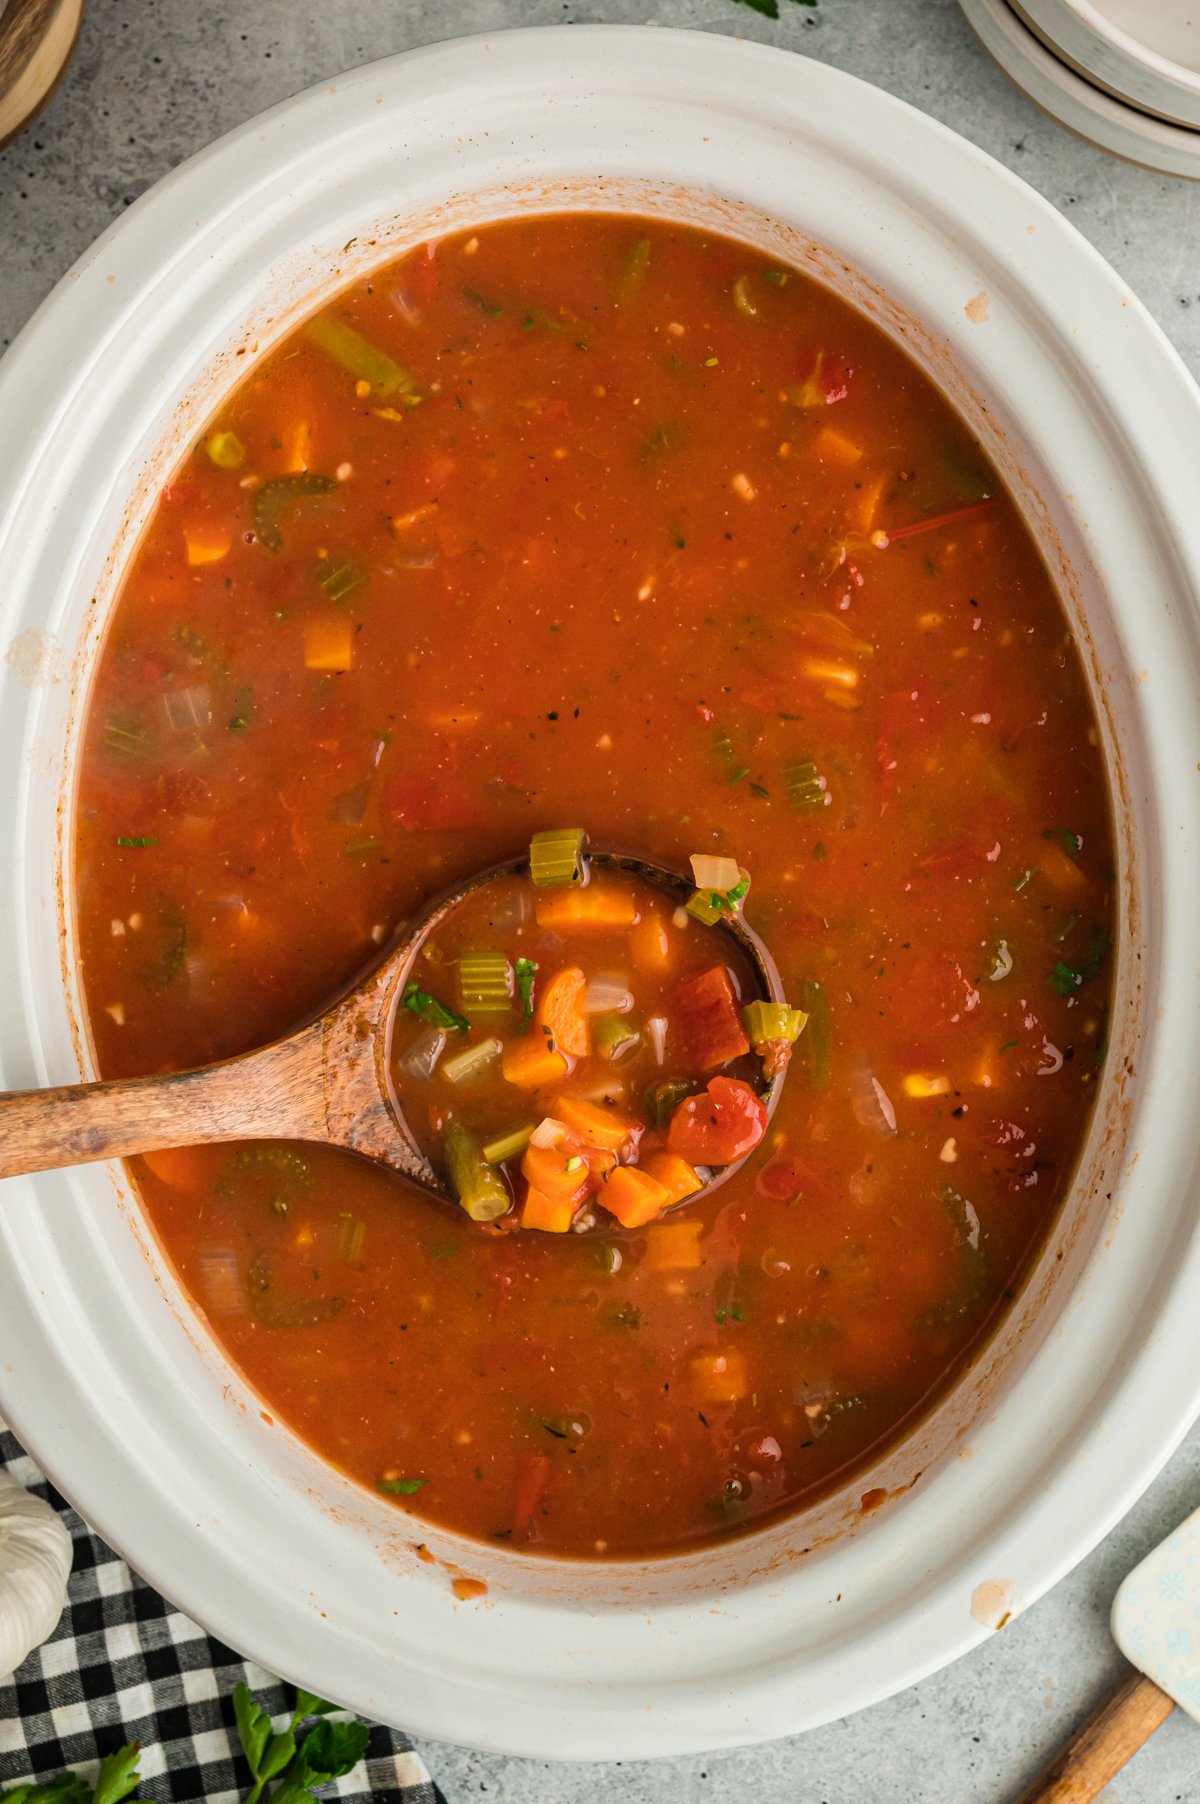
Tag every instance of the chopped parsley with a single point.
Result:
(1071, 843)
(1065, 979)
(427, 1008)
(525, 971)
(137, 839)
(400, 1487)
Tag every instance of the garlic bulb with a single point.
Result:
(35, 1561)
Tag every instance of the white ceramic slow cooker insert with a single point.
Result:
(105, 1372)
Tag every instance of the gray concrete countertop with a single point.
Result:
(153, 81)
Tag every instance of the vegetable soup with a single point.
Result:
(601, 524)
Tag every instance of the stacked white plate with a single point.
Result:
(1124, 74)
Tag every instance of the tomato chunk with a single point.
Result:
(724, 1124)
(707, 1010)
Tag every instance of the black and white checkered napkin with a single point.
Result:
(123, 1666)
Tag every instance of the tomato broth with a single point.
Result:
(600, 522)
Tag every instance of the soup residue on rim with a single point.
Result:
(602, 520)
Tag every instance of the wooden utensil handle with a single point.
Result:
(1112, 1734)
(270, 1094)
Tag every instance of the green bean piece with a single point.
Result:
(556, 857)
(485, 983)
(663, 1098)
(466, 1066)
(614, 1037)
(974, 1264)
(773, 1021)
(634, 274)
(480, 1189)
(276, 1310)
(274, 496)
(815, 1046)
(365, 361)
(507, 1146)
(226, 450)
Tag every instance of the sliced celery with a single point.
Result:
(817, 1043)
(805, 786)
(773, 1021)
(340, 580)
(507, 1146)
(352, 1231)
(466, 1066)
(365, 361)
(485, 983)
(480, 1189)
(705, 905)
(634, 274)
(556, 857)
(226, 450)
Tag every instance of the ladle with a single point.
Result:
(327, 1081)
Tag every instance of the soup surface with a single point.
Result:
(599, 522)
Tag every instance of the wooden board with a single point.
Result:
(36, 41)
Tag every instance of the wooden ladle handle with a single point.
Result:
(1112, 1734)
(268, 1094)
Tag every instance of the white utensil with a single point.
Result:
(1156, 1625)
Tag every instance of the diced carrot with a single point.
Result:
(531, 1065)
(828, 670)
(676, 1176)
(182, 1167)
(597, 905)
(923, 1084)
(835, 448)
(550, 1215)
(329, 643)
(560, 1172)
(297, 446)
(1061, 870)
(560, 1017)
(634, 1197)
(711, 1020)
(868, 503)
(598, 1126)
(674, 1246)
(720, 1377)
(650, 944)
(206, 544)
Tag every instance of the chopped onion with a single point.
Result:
(512, 912)
(550, 1133)
(187, 709)
(656, 1033)
(220, 1286)
(871, 1103)
(349, 809)
(402, 302)
(422, 1056)
(608, 993)
(719, 874)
